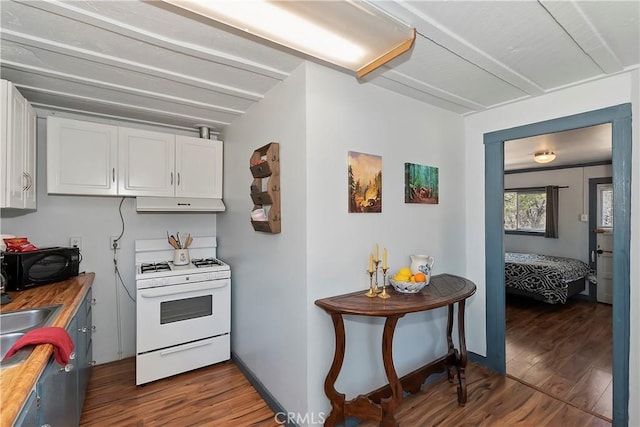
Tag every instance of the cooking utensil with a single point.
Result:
(173, 242)
(187, 242)
(178, 240)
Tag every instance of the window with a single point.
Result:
(525, 211)
(605, 205)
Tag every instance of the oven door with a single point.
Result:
(182, 313)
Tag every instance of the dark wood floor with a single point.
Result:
(563, 350)
(219, 395)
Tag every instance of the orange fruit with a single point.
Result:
(420, 277)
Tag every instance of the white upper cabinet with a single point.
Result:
(198, 167)
(30, 158)
(18, 150)
(146, 161)
(94, 159)
(82, 157)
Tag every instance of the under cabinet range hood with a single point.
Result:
(178, 204)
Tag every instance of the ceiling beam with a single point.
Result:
(130, 107)
(69, 10)
(447, 39)
(570, 16)
(120, 88)
(45, 110)
(421, 86)
(113, 61)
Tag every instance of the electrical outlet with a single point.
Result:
(75, 242)
(114, 240)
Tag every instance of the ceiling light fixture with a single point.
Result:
(544, 156)
(351, 34)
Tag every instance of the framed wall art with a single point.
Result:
(420, 184)
(365, 182)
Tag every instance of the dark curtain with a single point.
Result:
(551, 229)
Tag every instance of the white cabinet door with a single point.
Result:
(82, 157)
(146, 162)
(16, 129)
(198, 167)
(17, 186)
(30, 166)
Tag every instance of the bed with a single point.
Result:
(545, 278)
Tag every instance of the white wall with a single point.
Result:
(345, 115)
(318, 115)
(95, 219)
(269, 286)
(607, 92)
(573, 235)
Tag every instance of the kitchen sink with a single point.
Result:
(14, 324)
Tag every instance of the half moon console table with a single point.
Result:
(380, 405)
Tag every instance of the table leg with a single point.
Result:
(450, 373)
(390, 404)
(462, 381)
(337, 399)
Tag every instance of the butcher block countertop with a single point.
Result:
(17, 382)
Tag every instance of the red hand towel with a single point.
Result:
(59, 337)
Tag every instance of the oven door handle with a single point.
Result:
(182, 290)
(185, 347)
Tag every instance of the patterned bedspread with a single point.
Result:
(544, 274)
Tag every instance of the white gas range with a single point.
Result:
(183, 313)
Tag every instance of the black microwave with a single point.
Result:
(26, 270)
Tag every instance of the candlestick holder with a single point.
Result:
(376, 289)
(384, 293)
(371, 292)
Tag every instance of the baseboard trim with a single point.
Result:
(480, 360)
(271, 401)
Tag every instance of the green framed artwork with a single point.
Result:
(421, 184)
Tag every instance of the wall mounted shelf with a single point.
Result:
(264, 165)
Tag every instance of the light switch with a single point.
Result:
(584, 217)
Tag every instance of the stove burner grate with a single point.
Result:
(153, 267)
(205, 262)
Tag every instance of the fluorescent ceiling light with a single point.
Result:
(544, 156)
(351, 34)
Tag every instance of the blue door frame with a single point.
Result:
(620, 118)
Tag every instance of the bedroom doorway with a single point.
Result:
(558, 338)
(620, 119)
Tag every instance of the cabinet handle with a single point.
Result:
(178, 178)
(83, 330)
(113, 174)
(92, 363)
(91, 301)
(171, 178)
(30, 178)
(67, 368)
(25, 185)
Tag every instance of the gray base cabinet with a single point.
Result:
(58, 391)
(59, 394)
(84, 346)
(30, 413)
